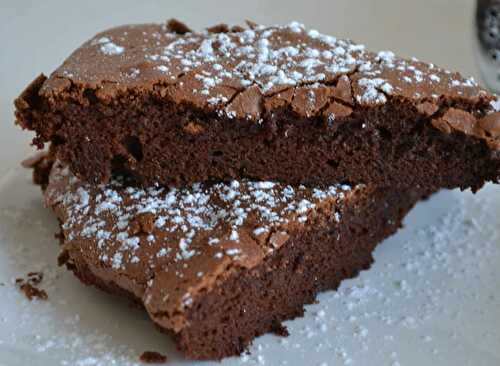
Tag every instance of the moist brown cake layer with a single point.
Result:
(282, 103)
(224, 321)
(251, 303)
(216, 304)
(391, 146)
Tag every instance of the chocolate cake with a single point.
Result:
(219, 264)
(282, 103)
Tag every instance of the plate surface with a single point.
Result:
(431, 298)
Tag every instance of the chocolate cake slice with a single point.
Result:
(282, 103)
(217, 265)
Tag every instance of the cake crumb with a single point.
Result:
(31, 292)
(281, 330)
(152, 357)
(28, 286)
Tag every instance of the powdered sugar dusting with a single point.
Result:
(253, 56)
(186, 221)
(495, 105)
(107, 47)
(209, 68)
(373, 91)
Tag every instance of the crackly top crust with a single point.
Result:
(208, 67)
(248, 73)
(168, 244)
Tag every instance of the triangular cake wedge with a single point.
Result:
(217, 265)
(281, 103)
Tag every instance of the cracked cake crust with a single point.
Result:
(267, 103)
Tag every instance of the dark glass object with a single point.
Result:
(487, 34)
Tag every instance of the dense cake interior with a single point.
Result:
(253, 302)
(392, 146)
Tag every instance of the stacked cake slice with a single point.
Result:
(222, 178)
(220, 264)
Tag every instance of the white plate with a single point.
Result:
(431, 298)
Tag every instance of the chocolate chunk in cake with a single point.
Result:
(280, 103)
(218, 264)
